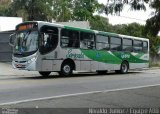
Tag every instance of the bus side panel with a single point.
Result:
(107, 66)
(103, 66)
(51, 65)
(57, 65)
(77, 65)
(86, 65)
(116, 66)
(141, 61)
(94, 65)
(47, 65)
(138, 65)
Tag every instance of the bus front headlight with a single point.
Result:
(31, 60)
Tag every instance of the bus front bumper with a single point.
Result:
(29, 65)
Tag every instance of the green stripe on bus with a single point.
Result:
(129, 57)
(112, 57)
(101, 56)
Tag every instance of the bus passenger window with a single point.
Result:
(87, 40)
(69, 38)
(102, 42)
(127, 45)
(145, 47)
(137, 46)
(115, 43)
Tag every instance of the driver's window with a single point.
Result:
(49, 39)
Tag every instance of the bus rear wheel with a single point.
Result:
(44, 73)
(66, 69)
(124, 67)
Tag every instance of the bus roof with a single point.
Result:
(133, 37)
(86, 30)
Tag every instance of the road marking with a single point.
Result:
(76, 94)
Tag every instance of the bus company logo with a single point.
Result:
(74, 55)
(125, 56)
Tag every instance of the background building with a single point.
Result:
(7, 27)
(9, 23)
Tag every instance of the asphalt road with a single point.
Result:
(139, 88)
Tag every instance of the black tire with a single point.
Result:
(44, 73)
(66, 69)
(124, 68)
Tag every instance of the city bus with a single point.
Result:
(49, 47)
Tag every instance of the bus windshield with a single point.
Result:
(26, 42)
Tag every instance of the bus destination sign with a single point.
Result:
(27, 26)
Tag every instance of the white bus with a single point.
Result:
(48, 47)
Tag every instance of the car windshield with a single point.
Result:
(26, 41)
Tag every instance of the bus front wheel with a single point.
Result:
(44, 73)
(66, 69)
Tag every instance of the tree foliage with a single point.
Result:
(152, 24)
(62, 10)
(32, 9)
(75, 10)
(59, 10)
(84, 9)
(100, 23)
(133, 29)
(4, 7)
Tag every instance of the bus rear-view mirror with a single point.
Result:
(12, 39)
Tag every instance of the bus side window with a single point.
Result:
(87, 40)
(102, 42)
(116, 43)
(127, 45)
(145, 47)
(137, 46)
(69, 38)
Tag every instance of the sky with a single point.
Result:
(128, 16)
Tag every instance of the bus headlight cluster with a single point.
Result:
(31, 60)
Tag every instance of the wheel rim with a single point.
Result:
(124, 68)
(67, 69)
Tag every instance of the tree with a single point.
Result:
(74, 10)
(100, 23)
(59, 10)
(4, 6)
(116, 6)
(62, 10)
(83, 9)
(152, 24)
(32, 9)
(133, 29)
